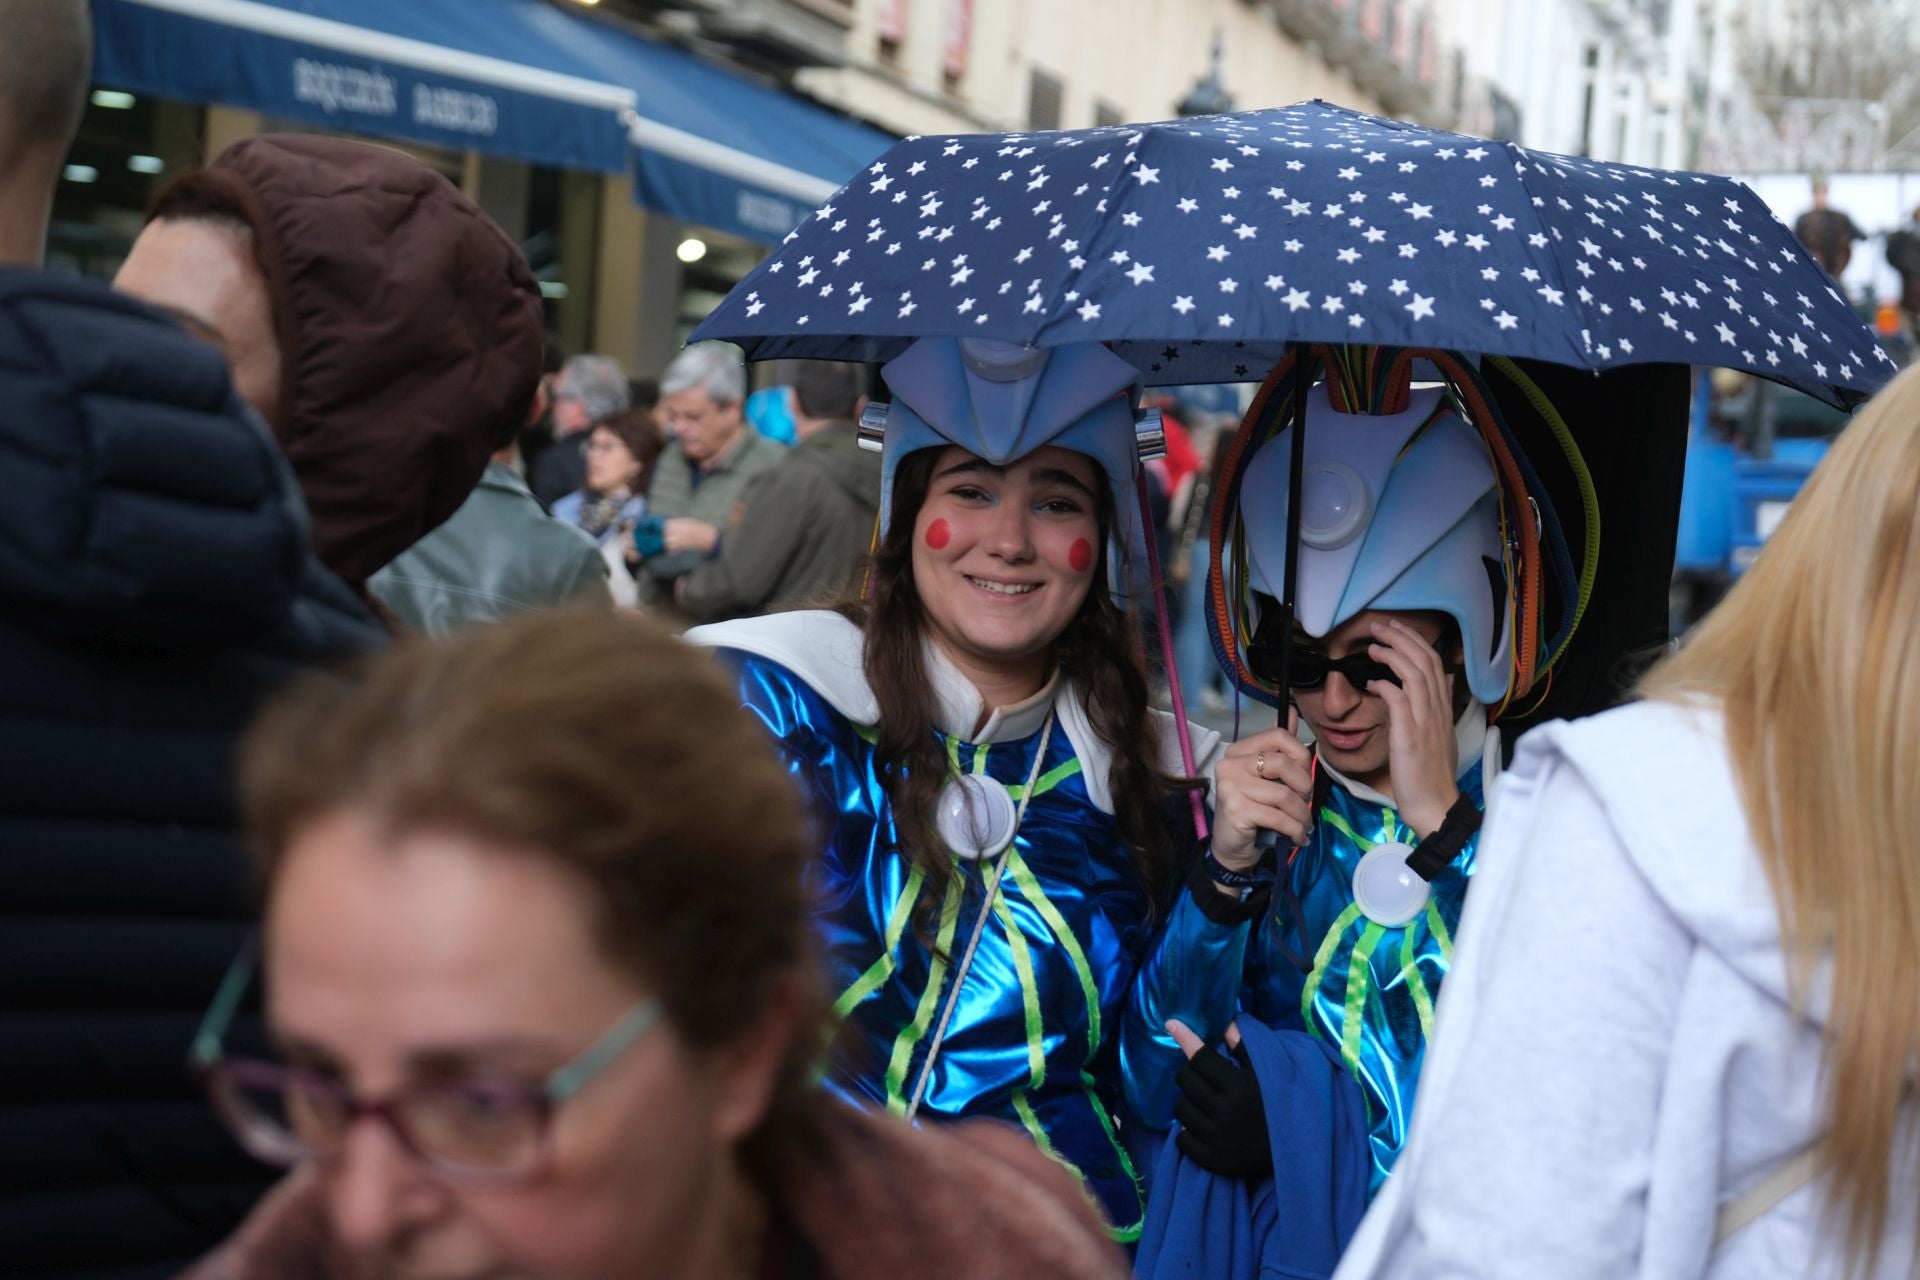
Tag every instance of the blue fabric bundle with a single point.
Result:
(1293, 1225)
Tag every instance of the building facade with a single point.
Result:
(741, 115)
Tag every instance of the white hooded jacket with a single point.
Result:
(1615, 1058)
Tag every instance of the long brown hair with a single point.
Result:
(1814, 657)
(1099, 653)
(596, 741)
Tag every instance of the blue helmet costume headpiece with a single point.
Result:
(1397, 512)
(1001, 401)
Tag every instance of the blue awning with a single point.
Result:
(518, 78)
(714, 147)
(500, 76)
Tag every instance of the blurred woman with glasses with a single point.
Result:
(539, 978)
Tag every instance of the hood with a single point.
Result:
(856, 471)
(145, 503)
(1661, 773)
(410, 336)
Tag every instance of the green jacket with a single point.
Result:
(497, 556)
(799, 534)
(672, 492)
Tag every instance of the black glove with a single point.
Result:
(1223, 1122)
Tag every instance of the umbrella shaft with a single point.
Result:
(1302, 379)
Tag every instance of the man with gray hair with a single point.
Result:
(157, 584)
(801, 530)
(704, 470)
(588, 389)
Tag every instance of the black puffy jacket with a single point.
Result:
(156, 584)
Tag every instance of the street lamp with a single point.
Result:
(1208, 96)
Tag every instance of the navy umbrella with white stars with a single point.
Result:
(1201, 248)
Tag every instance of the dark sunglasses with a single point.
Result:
(1308, 668)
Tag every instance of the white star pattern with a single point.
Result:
(1291, 189)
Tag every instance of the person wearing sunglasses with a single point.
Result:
(542, 997)
(1400, 643)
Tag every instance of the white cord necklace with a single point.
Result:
(971, 798)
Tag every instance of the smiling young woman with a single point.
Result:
(996, 845)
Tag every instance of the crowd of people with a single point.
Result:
(466, 813)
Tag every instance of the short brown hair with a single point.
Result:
(828, 388)
(636, 430)
(597, 741)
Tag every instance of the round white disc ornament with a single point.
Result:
(1388, 891)
(976, 816)
(1335, 505)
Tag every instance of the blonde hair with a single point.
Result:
(1815, 659)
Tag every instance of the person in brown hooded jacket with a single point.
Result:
(387, 330)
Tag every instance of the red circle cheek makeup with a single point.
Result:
(1079, 555)
(939, 534)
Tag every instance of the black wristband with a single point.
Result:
(1241, 880)
(1431, 856)
(1217, 906)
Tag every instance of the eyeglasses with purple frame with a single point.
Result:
(508, 1123)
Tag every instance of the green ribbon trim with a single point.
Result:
(1333, 819)
(1048, 780)
(1023, 1107)
(1440, 934)
(909, 1039)
(1359, 984)
(1323, 957)
(1029, 992)
(1029, 886)
(1410, 970)
(880, 970)
(1127, 1234)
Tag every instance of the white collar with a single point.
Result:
(960, 706)
(1473, 739)
(827, 653)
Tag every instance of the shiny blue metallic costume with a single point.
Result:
(1029, 1039)
(1316, 963)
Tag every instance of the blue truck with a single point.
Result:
(1751, 446)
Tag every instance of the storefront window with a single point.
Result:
(561, 232)
(712, 262)
(127, 146)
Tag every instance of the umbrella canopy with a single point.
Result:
(1200, 248)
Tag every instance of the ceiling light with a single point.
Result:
(146, 164)
(692, 249)
(81, 173)
(553, 289)
(113, 99)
